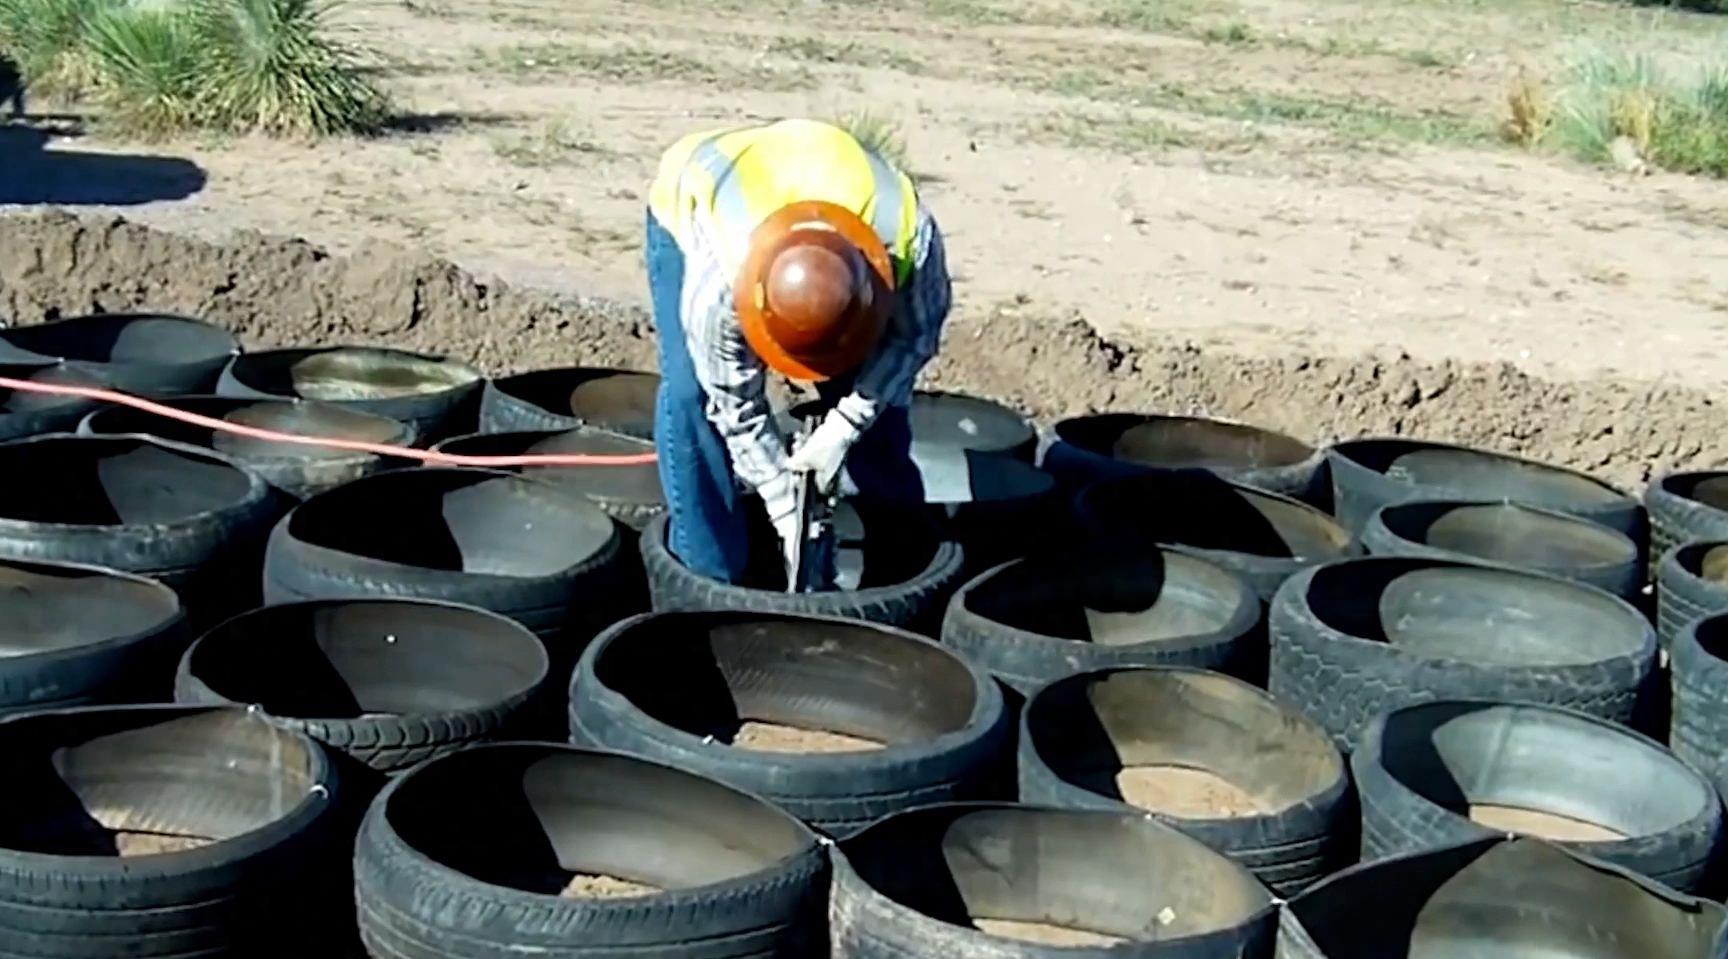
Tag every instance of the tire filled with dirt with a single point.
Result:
(1691, 583)
(1685, 507)
(893, 569)
(1699, 727)
(78, 635)
(1030, 882)
(1263, 537)
(164, 831)
(191, 518)
(629, 494)
(1101, 446)
(390, 682)
(1209, 754)
(1498, 898)
(1510, 534)
(1356, 638)
(155, 354)
(614, 400)
(434, 395)
(1447, 772)
(1034, 620)
(33, 414)
(297, 469)
(836, 721)
(558, 852)
(1370, 473)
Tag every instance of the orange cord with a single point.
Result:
(359, 446)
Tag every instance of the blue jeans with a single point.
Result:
(711, 518)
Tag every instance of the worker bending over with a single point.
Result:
(788, 247)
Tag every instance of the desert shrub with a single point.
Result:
(46, 39)
(877, 133)
(1628, 109)
(273, 66)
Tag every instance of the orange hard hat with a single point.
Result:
(814, 291)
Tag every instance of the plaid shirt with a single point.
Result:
(735, 379)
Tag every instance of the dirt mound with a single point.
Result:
(275, 291)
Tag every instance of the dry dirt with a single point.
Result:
(1532, 822)
(587, 886)
(1184, 792)
(1288, 211)
(1045, 933)
(150, 843)
(776, 738)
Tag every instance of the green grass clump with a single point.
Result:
(877, 133)
(236, 66)
(1628, 110)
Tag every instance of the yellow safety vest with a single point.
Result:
(734, 178)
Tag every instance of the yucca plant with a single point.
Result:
(147, 69)
(46, 39)
(876, 133)
(272, 66)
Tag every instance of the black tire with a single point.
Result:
(191, 518)
(629, 494)
(33, 414)
(483, 538)
(944, 421)
(1497, 899)
(1510, 534)
(918, 883)
(157, 354)
(435, 395)
(617, 400)
(1354, 639)
(1035, 620)
(91, 791)
(298, 470)
(1370, 473)
(1263, 537)
(1422, 771)
(1087, 449)
(78, 635)
(1295, 821)
(906, 582)
(1691, 583)
(465, 857)
(677, 687)
(390, 682)
(1699, 730)
(996, 507)
(1685, 507)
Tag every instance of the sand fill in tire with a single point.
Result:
(1684, 507)
(1209, 754)
(1447, 772)
(432, 394)
(1523, 536)
(590, 853)
(1691, 583)
(1497, 898)
(620, 401)
(629, 494)
(1103, 445)
(837, 721)
(390, 682)
(976, 879)
(297, 469)
(155, 354)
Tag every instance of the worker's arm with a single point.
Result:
(913, 334)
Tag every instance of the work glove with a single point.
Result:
(824, 453)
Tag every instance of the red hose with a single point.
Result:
(330, 442)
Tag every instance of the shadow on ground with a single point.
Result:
(34, 171)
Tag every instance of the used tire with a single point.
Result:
(1106, 445)
(1263, 537)
(836, 721)
(892, 572)
(299, 470)
(629, 494)
(617, 400)
(1685, 507)
(1354, 639)
(955, 422)
(1447, 772)
(1691, 583)
(434, 395)
(1000, 881)
(996, 507)
(162, 831)
(190, 518)
(390, 682)
(33, 414)
(157, 354)
(1039, 619)
(1497, 899)
(78, 635)
(1510, 534)
(1699, 730)
(1211, 755)
(556, 852)
(1370, 473)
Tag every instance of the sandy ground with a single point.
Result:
(1532, 822)
(1185, 793)
(776, 738)
(1264, 177)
